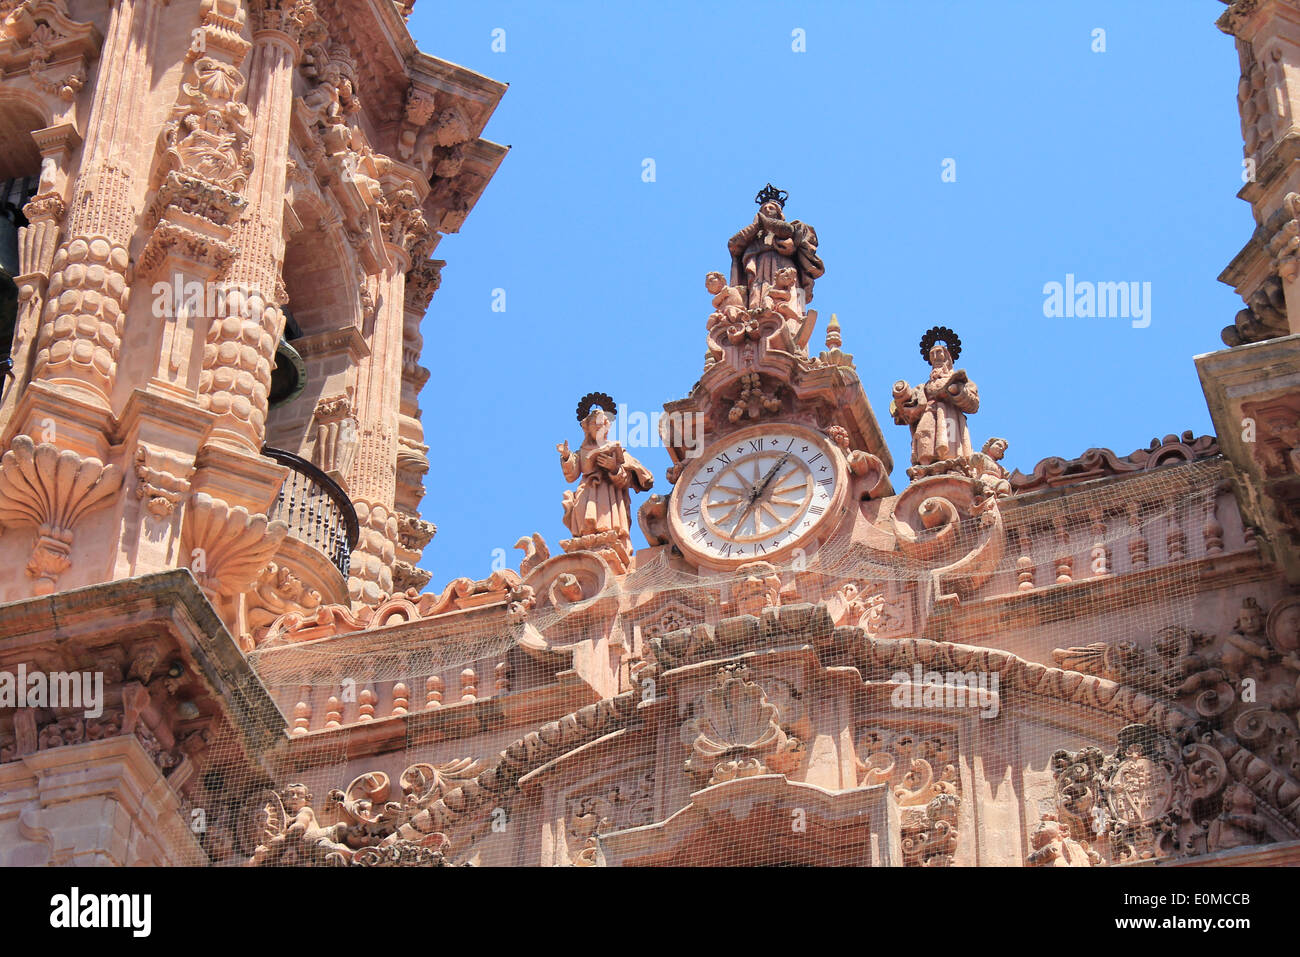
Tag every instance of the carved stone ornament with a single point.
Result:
(737, 732)
(52, 489)
(227, 547)
(366, 827)
(209, 135)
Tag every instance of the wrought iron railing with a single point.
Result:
(316, 510)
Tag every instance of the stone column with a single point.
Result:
(373, 480)
(37, 244)
(240, 347)
(77, 345)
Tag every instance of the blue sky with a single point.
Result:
(1114, 166)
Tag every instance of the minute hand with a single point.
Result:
(758, 492)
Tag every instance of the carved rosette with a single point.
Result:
(52, 489)
(227, 547)
(81, 330)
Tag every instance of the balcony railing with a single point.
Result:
(316, 510)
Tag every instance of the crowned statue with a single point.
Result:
(601, 505)
(936, 409)
(768, 245)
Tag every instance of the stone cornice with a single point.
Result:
(347, 339)
(171, 601)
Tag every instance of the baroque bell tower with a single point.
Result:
(223, 256)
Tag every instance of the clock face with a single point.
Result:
(757, 496)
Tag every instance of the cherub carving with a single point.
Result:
(289, 819)
(786, 300)
(1238, 825)
(1054, 847)
(1245, 649)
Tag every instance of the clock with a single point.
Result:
(758, 495)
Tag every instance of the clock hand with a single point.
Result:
(758, 492)
(771, 475)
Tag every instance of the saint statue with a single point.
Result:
(604, 471)
(936, 410)
(770, 244)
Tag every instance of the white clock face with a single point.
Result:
(757, 496)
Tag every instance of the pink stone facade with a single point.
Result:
(210, 485)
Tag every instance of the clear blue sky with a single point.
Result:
(1114, 166)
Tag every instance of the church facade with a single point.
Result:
(216, 646)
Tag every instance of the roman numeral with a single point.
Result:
(757, 445)
(724, 458)
(816, 510)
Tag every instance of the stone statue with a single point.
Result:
(728, 301)
(1245, 649)
(604, 472)
(1237, 825)
(1053, 846)
(769, 244)
(936, 410)
(787, 301)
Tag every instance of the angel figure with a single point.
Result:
(936, 410)
(289, 818)
(604, 472)
(786, 300)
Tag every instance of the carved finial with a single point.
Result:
(833, 340)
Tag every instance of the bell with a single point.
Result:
(8, 241)
(288, 375)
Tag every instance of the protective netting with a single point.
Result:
(668, 715)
